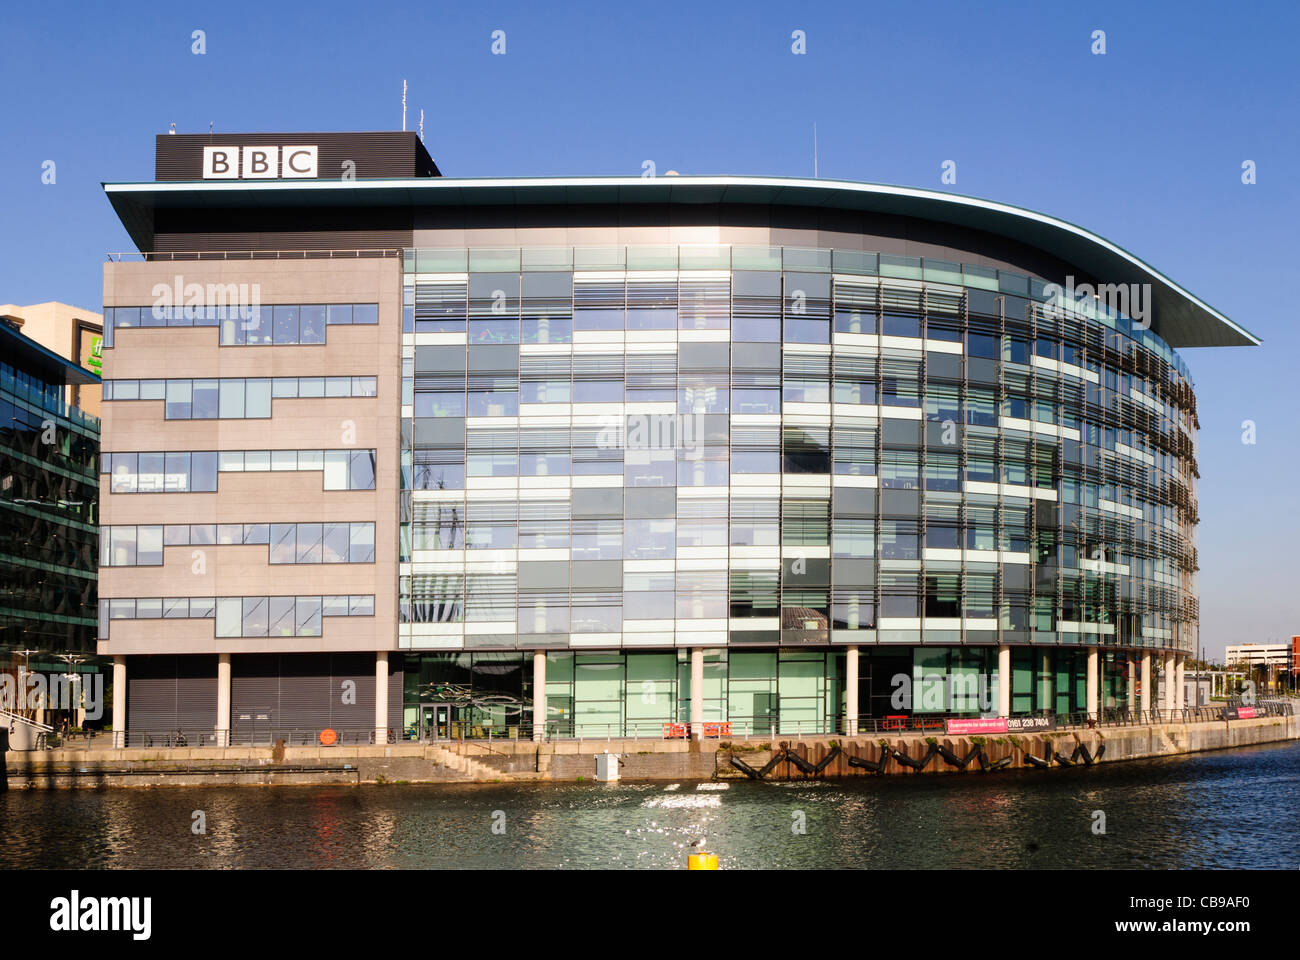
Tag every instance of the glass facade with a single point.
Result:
(768, 452)
(1025, 478)
(778, 692)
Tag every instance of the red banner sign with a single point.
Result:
(976, 725)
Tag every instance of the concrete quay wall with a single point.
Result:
(569, 760)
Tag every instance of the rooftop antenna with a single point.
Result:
(815, 176)
(209, 126)
(422, 124)
(403, 106)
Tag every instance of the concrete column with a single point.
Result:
(539, 695)
(1168, 693)
(381, 696)
(1146, 682)
(119, 701)
(697, 693)
(1180, 691)
(1101, 683)
(1092, 682)
(1048, 682)
(1004, 681)
(1132, 684)
(223, 700)
(851, 692)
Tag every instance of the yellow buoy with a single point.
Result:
(702, 861)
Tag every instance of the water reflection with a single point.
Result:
(1219, 810)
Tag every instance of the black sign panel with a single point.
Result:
(358, 156)
(1030, 724)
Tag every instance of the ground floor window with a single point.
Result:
(788, 691)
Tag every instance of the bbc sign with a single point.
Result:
(259, 163)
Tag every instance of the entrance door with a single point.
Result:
(441, 721)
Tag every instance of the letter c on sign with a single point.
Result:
(299, 162)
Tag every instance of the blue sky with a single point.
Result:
(1143, 145)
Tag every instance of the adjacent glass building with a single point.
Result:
(783, 454)
(48, 517)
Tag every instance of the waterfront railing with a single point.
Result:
(190, 738)
(766, 728)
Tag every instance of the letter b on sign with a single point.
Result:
(261, 163)
(220, 163)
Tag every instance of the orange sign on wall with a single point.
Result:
(328, 737)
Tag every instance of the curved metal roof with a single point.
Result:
(1180, 318)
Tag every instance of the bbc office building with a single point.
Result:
(395, 453)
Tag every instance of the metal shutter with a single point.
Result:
(196, 693)
(305, 692)
(360, 669)
(151, 694)
(254, 694)
(170, 693)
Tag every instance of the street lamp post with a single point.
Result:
(20, 706)
(73, 661)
